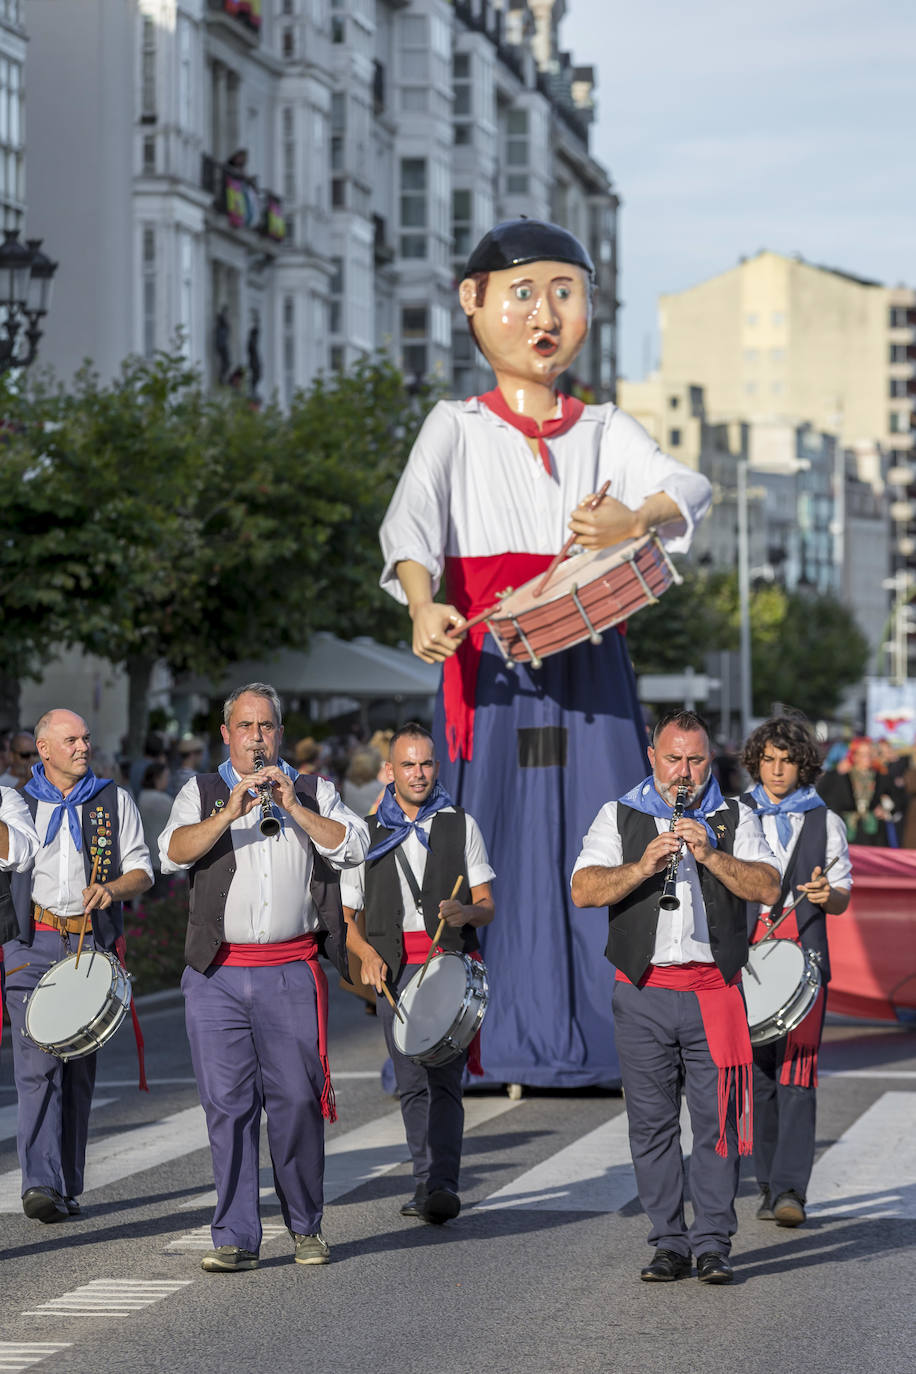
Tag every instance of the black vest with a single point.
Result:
(211, 875)
(634, 920)
(99, 820)
(809, 850)
(383, 901)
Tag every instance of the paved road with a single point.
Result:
(537, 1275)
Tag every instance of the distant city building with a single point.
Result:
(12, 123)
(290, 185)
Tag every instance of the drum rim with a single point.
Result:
(91, 1036)
(476, 982)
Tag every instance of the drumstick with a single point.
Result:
(394, 1006)
(787, 911)
(595, 501)
(439, 929)
(87, 919)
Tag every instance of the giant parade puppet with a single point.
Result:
(537, 721)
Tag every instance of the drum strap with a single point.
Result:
(410, 878)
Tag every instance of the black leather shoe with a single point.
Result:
(789, 1209)
(72, 1206)
(414, 1207)
(764, 1210)
(440, 1205)
(713, 1268)
(666, 1266)
(44, 1204)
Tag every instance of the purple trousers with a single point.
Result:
(254, 1045)
(54, 1098)
(663, 1055)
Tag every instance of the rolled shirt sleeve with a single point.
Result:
(642, 469)
(23, 837)
(601, 847)
(185, 811)
(134, 853)
(750, 842)
(352, 848)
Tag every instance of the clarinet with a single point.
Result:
(268, 824)
(669, 900)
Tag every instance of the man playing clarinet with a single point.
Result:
(783, 762)
(678, 1010)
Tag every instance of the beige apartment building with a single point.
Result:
(777, 337)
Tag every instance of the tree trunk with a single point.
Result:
(139, 673)
(9, 702)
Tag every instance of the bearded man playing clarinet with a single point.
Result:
(676, 886)
(783, 762)
(262, 845)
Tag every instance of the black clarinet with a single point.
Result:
(268, 824)
(669, 900)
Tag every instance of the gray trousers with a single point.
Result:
(784, 1122)
(431, 1105)
(664, 1054)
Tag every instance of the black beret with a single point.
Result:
(517, 241)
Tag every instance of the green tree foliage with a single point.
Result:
(806, 648)
(153, 520)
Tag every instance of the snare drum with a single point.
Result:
(781, 982)
(444, 1013)
(587, 594)
(73, 1011)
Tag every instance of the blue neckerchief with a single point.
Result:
(45, 791)
(645, 797)
(802, 799)
(391, 816)
(230, 777)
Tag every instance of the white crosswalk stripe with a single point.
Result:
(114, 1157)
(108, 1298)
(18, 1355)
(871, 1170)
(200, 1238)
(357, 1156)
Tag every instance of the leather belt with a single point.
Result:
(64, 925)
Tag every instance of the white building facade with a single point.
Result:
(287, 185)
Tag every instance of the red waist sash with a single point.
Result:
(725, 1024)
(288, 952)
(471, 586)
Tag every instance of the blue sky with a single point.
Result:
(727, 129)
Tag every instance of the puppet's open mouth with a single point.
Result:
(546, 345)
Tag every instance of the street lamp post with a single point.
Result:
(26, 275)
(744, 600)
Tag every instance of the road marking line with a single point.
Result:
(118, 1156)
(18, 1355)
(592, 1174)
(870, 1172)
(867, 1073)
(368, 1152)
(108, 1298)
(9, 1122)
(201, 1239)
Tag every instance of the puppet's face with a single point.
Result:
(533, 320)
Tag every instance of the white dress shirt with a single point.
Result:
(353, 883)
(473, 488)
(269, 897)
(840, 876)
(682, 935)
(23, 837)
(59, 875)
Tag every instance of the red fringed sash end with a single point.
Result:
(739, 1077)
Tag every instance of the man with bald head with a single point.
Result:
(92, 858)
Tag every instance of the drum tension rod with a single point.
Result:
(593, 634)
(535, 661)
(507, 657)
(650, 595)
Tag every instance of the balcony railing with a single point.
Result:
(245, 204)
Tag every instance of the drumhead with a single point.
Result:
(773, 972)
(67, 998)
(430, 1010)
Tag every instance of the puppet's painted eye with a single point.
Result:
(523, 293)
(563, 293)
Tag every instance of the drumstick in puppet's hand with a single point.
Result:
(87, 919)
(394, 1006)
(439, 929)
(595, 501)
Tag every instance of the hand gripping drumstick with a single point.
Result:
(595, 501)
(87, 919)
(439, 929)
(787, 911)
